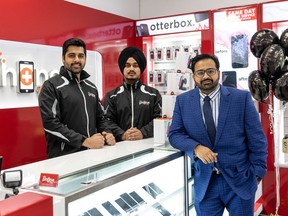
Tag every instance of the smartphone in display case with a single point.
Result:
(123, 205)
(239, 51)
(94, 212)
(163, 211)
(25, 76)
(155, 188)
(150, 191)
(111, 209)
(137, 198)
(128, 199)
(229, 78)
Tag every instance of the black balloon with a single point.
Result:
(280, 87)
(258, 86)
(284, 41)
(271, 62)
(261, 40)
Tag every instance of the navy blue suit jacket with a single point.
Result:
(240, 142)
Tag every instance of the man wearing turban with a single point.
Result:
(133, 105)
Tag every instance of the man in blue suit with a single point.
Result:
(230, 151)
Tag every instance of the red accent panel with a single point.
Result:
(51, 23)
(22, 136)
(27, 204)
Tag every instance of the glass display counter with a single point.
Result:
(149, 182)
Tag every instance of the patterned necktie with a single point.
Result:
(209, 119)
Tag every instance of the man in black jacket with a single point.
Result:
(132, 106)
(71, 111)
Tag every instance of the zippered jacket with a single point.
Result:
(71, 111)
(132, 106)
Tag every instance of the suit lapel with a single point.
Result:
(196, 112)
(225, 100)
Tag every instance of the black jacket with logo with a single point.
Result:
(70, 110)
(133, 106)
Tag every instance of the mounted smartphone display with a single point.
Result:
(131, 202)
(163, 211)
(229, 78)
(150, 191)
(239, 51)
(94, 212)
(124, 205)
(136, 197)
(111, 209)
(25, 76)
(155, 188)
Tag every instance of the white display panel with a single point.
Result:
(171, 196)
(47, 61)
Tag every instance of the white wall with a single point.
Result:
(143, 9)
(157, 8)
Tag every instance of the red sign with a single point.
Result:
(50, 180)
(243, 14)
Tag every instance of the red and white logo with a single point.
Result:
(48, 179)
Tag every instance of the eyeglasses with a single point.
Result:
(209, 72)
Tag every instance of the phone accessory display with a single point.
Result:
(169, 53)
(153, 190)
(160, 76)
(159, 54)
(186, 48)
(151, 77)
(152, 54)
(176, 50)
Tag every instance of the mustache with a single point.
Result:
(76, 63)
(206, 80)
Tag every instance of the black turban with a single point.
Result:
(135, 53)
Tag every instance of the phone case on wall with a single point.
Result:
(142, 30)
(239, 51)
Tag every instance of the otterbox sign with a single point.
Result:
(184, 23)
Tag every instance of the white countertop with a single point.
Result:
(70, 163)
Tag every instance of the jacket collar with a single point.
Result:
(70, 76)
(135, 86)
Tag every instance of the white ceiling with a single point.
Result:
(144, 9)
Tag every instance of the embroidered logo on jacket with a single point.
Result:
(144, 102)
(91, 94)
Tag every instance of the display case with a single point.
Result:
(152, 181)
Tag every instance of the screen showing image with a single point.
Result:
(229, 79)
(239, 50)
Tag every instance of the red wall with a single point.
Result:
(50, 22)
